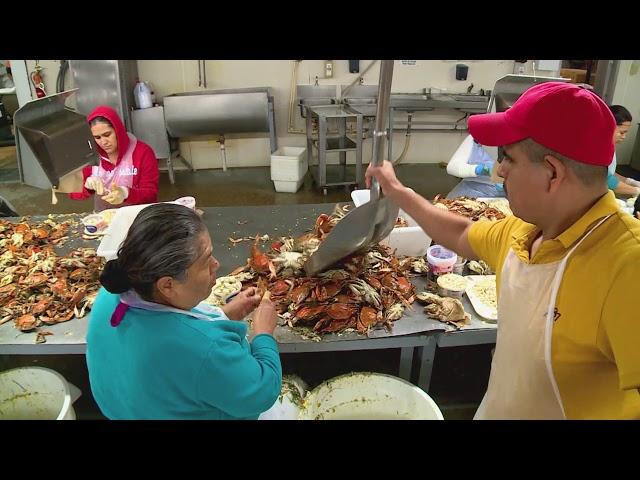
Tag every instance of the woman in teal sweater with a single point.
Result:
(154, 351)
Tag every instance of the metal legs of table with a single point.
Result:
(426, 355)
(176, 155)
(406, 361)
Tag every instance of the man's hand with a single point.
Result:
(242, 305)
(264, 318)
(117, 195)
(387, 179)
(95, 184)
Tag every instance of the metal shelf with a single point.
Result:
(338, 144)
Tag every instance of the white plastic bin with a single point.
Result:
(122, 220)
(411, 241)
(369, 396)
(36, 393)
(288, 168)
(287, 405)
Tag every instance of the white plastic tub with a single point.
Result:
(411, 241)
(288, 187)
(369, 396)
(122, 220)
(36, 393)
(117, 231)
(289, 164)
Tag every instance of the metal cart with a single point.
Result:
(325, 115)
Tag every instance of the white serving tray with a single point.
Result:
(481, 308)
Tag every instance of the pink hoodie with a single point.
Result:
(146, 177)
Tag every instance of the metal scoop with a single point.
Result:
(372, 221)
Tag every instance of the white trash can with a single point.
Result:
(36, 393)
(368, 396)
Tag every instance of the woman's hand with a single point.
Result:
(242, 305)
(117, 195)
(265, 317)
(95, 184)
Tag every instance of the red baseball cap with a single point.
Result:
(563, 117)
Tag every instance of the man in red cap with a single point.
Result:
(567, 262)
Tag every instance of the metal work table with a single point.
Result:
(341, 144)
(414, 333)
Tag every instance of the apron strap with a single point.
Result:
(557, 280)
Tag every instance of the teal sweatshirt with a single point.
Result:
(165, 365)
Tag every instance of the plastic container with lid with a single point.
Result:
(459, 265)
(441, 260)
(452, 285)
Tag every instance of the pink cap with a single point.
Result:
(563, 117)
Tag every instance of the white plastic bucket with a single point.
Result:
(411, 240)
(36, 393)
(287, 406)
(368, 396)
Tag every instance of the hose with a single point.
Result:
(292, 98)
(62, 72)
(407, 141)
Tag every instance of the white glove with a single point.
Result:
(117, 195)
(95, 184)
(632, 182)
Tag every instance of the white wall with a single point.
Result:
(173, 76)
(182, 75)
(627, 94)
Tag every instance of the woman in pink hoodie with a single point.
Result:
(128, 171)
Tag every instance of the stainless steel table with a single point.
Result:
(413, 334)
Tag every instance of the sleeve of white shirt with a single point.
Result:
(611, 169)
(458, 166)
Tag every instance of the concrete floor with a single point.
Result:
(238, 186)
(460, 374)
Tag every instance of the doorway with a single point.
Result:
(599, 74)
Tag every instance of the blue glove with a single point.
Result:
(483, 170)
(612, 182)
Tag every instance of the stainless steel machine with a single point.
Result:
(221, 112)
(59, 138)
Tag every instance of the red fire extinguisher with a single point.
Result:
(38, 83)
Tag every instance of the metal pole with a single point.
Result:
(384, 93)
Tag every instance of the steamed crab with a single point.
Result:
(446, 309)
(366, 290)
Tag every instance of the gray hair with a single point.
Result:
(589, 175)
(162, 242)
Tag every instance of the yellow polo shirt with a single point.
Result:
(596, 334)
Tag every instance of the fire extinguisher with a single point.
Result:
(37, 81)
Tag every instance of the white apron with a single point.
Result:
(522, 384)
(122, 175)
